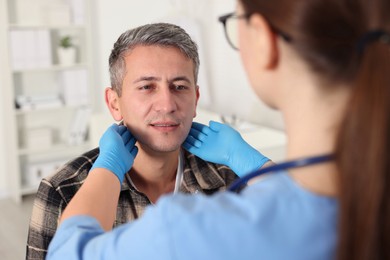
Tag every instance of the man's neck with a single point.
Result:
(154, 174)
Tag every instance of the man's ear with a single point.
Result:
(264, 42)
(112, 102)
(197, 99)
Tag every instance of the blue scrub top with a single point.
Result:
(274, 218)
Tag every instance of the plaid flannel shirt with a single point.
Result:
(55, 192)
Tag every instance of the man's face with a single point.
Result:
(159, 97)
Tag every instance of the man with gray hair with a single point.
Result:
(154, 93)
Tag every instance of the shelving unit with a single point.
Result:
(45, 99)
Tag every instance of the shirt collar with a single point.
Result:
(179, 176)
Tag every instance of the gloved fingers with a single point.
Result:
(130, 143)
(114, 127)
(189, 147)
(111, 130)
(121, 129)
(126, 136)
(134, 151)
(200, 127)
(191, 141)
(197, 134)
(108, 135)
(215, 126)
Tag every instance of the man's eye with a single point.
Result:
(145, 87)
(180, 87)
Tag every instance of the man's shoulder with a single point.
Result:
(74, 171)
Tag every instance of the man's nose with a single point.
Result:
(165, 101)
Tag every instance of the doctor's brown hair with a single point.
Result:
(326, 33)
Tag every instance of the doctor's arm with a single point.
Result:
(98, 196)
(220, 143)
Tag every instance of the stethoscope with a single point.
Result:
(240, 183)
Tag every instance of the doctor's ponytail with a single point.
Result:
(363, 155)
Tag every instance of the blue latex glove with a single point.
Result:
(117, 151)
(220, 143)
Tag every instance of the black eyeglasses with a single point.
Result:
(230, 26)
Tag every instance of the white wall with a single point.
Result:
(225, 76)
(3, 175)
(3, 124)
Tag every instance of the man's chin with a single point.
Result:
(162, 148)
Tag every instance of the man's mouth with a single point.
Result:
(165, 126)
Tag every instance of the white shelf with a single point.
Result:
(16, 32)
(53, 68)
(55, 148)
(20, 112)
(48, 27)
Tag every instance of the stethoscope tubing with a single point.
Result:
(240, 183)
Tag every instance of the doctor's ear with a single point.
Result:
(263, 42)
(112, 102)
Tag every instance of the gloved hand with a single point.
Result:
(117, 151)
(220, 143)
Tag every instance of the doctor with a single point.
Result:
(325, 65)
